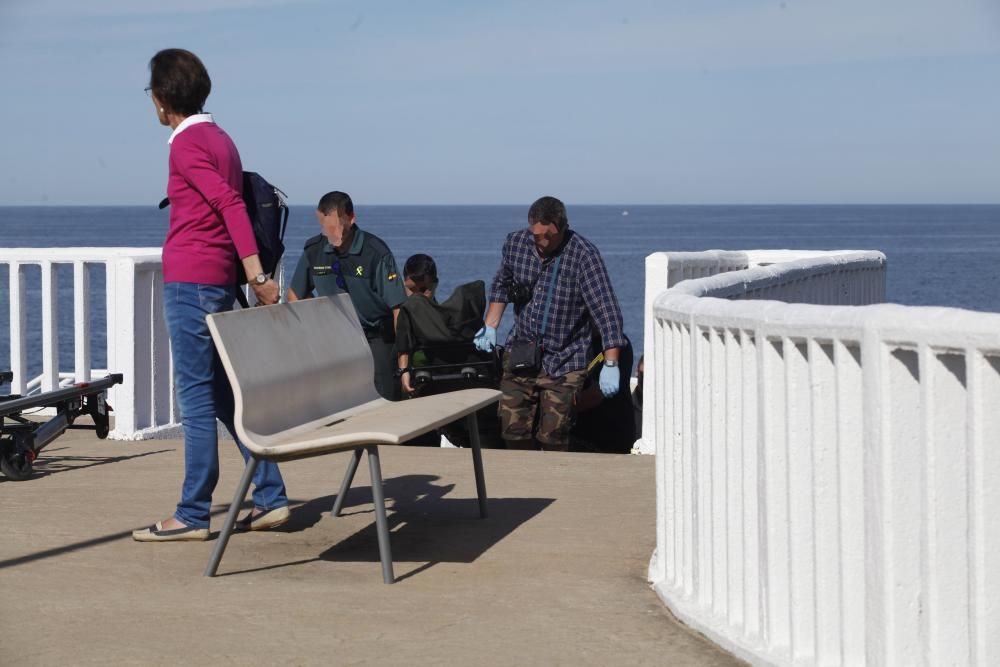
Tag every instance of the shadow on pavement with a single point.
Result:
(46, 465)
(425, 525)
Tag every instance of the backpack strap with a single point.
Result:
(241, 298)
(284, 225)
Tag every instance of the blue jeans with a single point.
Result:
(204, 394)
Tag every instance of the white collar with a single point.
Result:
(188, 122)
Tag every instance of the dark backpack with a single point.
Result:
(268, 217)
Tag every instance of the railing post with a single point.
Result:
(750, 496)
(18, 328)
(142, 325)
(657, 276)
(664, 527)
(81, 320)
(162, 373)
(121, 343)
(50, 326)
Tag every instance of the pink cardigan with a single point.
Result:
(207, 215)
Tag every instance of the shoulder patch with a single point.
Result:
(391, 277)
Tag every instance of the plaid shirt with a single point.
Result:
(582, 293)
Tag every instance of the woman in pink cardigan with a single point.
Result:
(208, 222)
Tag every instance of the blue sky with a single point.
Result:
(626, 102)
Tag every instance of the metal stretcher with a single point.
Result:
(439, 369)
(21, 438)
(439, 339)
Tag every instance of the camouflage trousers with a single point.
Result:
(539, 407)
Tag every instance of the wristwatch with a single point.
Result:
(611, 363)
(260, 279)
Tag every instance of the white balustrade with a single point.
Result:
(666, 269)
(136, 336)
(827, 475)
(137, 342)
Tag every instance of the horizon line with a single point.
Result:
(588, 204)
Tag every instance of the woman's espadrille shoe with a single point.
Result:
(156, 533)
(271, 518)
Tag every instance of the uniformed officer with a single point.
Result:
(345, 258)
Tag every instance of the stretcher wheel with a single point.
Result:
(99, 409)
(102, 426)
(17, 467)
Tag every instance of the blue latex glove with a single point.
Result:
(486, 339)
(609, 380)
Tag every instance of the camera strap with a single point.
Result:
(548, 297)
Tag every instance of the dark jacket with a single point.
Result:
(424, 322)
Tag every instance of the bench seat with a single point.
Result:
(379, 422)
(303, 385)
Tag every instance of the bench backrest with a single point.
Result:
(294, 363)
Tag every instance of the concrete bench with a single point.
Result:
(302, 377)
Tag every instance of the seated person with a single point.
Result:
(604, 424)
(423, 322)
(434, 346)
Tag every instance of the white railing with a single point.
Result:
(666, 269)
(137, 345)
(827, 476)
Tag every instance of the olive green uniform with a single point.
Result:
(367, 272)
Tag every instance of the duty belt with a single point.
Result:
(382, 332)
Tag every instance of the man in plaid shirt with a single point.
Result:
(537, 404)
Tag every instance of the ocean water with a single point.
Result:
(937, 255)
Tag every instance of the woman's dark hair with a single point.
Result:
(421, 269)
(179, 81)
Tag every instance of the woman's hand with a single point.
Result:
(267, 294)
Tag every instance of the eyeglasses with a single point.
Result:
(341, 283)
(148, 90)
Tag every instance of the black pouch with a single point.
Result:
(525, 357)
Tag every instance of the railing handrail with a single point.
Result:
(735, 283)
(938, 325)
(71, 255)
(714, 299)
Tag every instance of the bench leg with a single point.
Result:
(381, 524)
(227, 527)
(477, 462)
(352, 468)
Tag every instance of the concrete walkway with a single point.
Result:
(555, 576)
